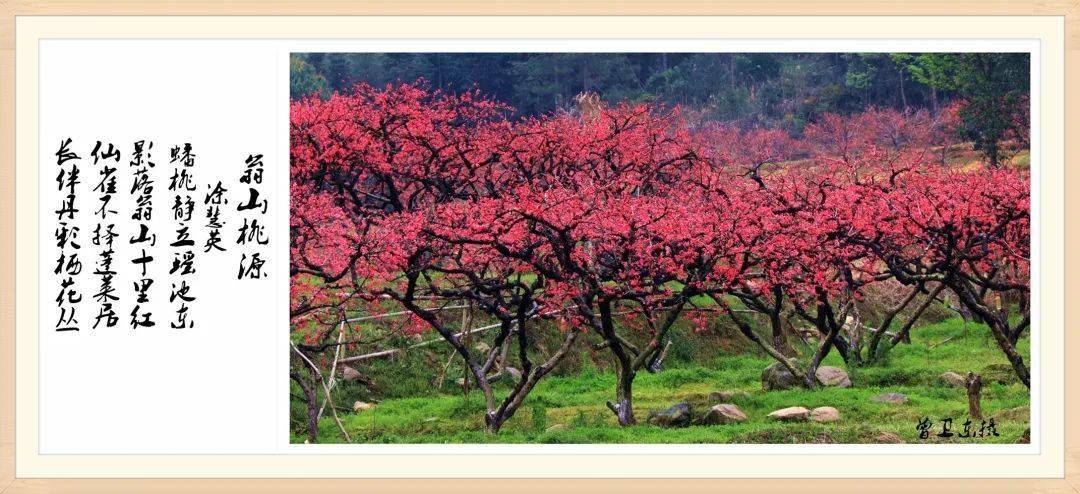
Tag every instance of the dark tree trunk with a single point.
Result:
(312, 405)
(998, 328)
(747, 331)
(776, 321)
(873, 352)
(530, 375)
(827, 323)
(779, 342)
(903, 95)
(905, 332)
(828, 341)
(624, 398)
(1000, 331)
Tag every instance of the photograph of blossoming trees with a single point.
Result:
(660, 248)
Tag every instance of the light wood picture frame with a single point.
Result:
(1066, 11)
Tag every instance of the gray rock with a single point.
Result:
(824, 414)
(791, 414)
(953, 379)
(894, 398)
(723, 413)
(728, 396)
(676, 416)
(833, 376)
(778, 377)
(350, 374)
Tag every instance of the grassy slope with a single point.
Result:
(577, 402)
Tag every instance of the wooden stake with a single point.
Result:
(974, 391)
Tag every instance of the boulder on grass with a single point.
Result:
(953, 379)
(728, 396)
(676, 416)
(824, 414)
(724, 413)
(350, 374)
(361, 406)
(832, 376)
(791, 414)
(778, 377)
(893, 398)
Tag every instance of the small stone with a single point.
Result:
(361, 405)
(350, 374)
(888, 438)
(557, 427)
(791, 414)
(833, 376)
(894, 398)
(824, 414)
(676, 416)
(728, 396)
(723, 413)
(778, 377)
(953, 379)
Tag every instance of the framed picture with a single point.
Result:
(454, 247)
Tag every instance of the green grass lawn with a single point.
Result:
(570, 409)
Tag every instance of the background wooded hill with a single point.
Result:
(786, 90)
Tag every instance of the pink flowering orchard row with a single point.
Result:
(425, 199)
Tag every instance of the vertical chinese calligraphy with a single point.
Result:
(142, 188)
(105, 232)
(68, 266)
(213, 201)
(194, 234)
(181, 184)
(252, 234)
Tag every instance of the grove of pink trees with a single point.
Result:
(630, 220)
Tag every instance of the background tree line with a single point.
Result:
(778, 90)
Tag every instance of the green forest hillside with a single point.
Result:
(785, 90)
